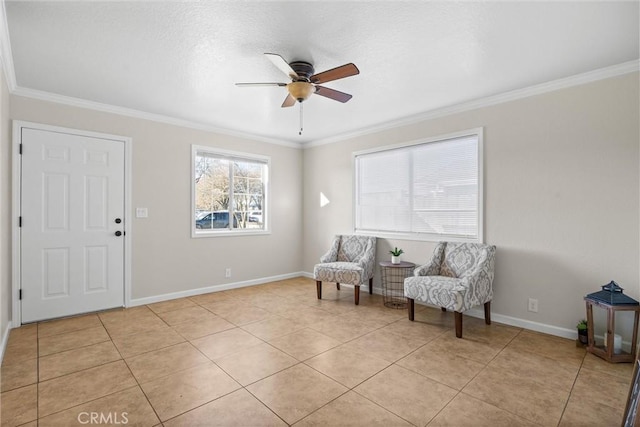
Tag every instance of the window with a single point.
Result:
(229, 192)
(429, 190)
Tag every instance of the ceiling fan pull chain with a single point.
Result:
(300, 133)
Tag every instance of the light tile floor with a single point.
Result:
(275, 355)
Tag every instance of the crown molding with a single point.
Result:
(567, 82)
(129, 112)
(6, 57)
(579, 79)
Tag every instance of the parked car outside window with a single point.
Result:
(217, 219)
(255, 216)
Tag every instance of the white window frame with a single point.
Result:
(430, 237)
(196, 234)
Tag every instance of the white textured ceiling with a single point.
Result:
(181, 59)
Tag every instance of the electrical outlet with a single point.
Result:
(533, 305)
(227, 273)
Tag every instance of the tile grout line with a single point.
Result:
(122, 358)
(459, 392)
(353, 389)
(564, 409)
(333, 348)
(264, 404)
(88, 401)
(306, 305)
(488, 403)
(380, 406)
(300, 363)
(131, 372)
(120, 354)
(245, 387)
(180, 370)
(61, 376)
(172, 372)
(376, 373)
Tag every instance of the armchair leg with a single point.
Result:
(458, 319)
(337, 286)
(371, 286)
(357, 294)
(319, 288)
(487, 312)
(444, 310)
(411, 308)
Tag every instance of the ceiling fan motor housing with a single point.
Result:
(303, 69)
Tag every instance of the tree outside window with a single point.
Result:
(229, 192)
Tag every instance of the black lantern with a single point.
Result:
(611, 299)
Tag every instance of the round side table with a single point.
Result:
(393, 276)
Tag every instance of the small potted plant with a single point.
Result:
(395, 255)
(582, 332)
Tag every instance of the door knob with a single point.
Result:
(118, 233)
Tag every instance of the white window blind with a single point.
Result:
(429, 190)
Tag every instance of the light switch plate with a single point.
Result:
(142, 213)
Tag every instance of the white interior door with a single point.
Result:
(72, 210)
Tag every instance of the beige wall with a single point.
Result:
(561, 198)
(165, 257)
(561, 195)
(5, 208)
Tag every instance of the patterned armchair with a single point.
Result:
(458, 277)
(350, 260)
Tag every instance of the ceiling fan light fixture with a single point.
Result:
(301, 91)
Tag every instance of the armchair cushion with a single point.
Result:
(441, 291)
(339, 272)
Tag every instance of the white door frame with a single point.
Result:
(16, 309)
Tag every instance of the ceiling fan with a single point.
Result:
(305, 83)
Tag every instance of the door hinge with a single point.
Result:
(20, 294)
(20, 149)
(19, 221)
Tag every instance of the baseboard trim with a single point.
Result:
(501, 318)
(213, 288)
(5, 341)
(526, 324)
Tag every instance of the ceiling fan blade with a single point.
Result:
(289, 101)
(335, 73)
(282, 65)
(333, 94)
(260, 84)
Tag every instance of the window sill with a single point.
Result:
(205, 234)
